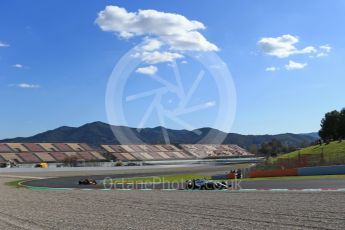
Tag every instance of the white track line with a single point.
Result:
(22, 177)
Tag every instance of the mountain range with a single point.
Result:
(98, 133)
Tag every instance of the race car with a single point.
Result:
(87, 182)
(203, 184)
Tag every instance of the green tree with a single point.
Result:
(273, 148)
(341, 130)
(253, 149)
(330, 126)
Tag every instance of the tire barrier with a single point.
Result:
(273, 173)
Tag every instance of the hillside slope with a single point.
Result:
(97, 133)
(331, 150)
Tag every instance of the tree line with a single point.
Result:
(271, 148)
(333, 126)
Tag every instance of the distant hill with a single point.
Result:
(97, 133)
(314, 134)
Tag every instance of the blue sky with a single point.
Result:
(56, 60)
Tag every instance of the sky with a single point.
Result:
(286, 60)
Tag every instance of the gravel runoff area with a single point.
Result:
(27, 209)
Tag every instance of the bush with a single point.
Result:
(119, 163)
(70, 161)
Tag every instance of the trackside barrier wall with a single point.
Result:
(321, 170)
(304, 171)
(273, 173)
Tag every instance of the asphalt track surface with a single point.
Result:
(72, 182)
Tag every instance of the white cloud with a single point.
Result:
(272, 69)
(28, 86)
(283, 46)
(152, 44)
(157, 56)
(184, 62)
(149, 70)
(324, 50)
(175, 30)
(295, 65)
(210, 104)
(2, 44)
(18, 66)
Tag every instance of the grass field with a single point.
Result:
(333, 148)
(14, 184)
(333, 152)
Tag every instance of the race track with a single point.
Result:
(72, 182)
(90, 207)
(97, 209)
